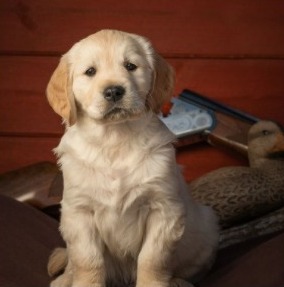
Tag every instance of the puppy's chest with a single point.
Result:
(120, 216)
(114, 195)
(107, 172)
(122, 225)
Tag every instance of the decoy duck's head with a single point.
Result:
(265, 141)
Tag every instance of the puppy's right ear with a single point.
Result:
(59, 93)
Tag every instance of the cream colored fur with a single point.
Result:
(126, 212)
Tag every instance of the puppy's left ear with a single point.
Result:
(163, 84)
(59, 93)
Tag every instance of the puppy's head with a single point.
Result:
(109, 76)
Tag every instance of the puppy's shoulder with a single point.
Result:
(70, 143)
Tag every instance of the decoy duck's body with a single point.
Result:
(238, 193)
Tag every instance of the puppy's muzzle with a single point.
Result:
(114, 93)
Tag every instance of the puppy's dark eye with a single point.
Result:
(129, 66)
(90, 72)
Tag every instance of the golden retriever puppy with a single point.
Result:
(127, 216)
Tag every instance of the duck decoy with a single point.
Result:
(241, 193)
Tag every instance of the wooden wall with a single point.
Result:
(232, 51)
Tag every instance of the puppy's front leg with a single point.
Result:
(85, 249)
(165, 226)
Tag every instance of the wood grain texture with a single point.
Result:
(177, 28)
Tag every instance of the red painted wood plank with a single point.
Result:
(255, 86)
(201, 158)
(177, 28)
(23, 104)
(19, 152)
(195, 160)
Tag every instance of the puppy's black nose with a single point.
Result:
(114, 93)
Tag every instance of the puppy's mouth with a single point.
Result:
(120, 113)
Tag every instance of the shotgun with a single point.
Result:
(194, 118)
